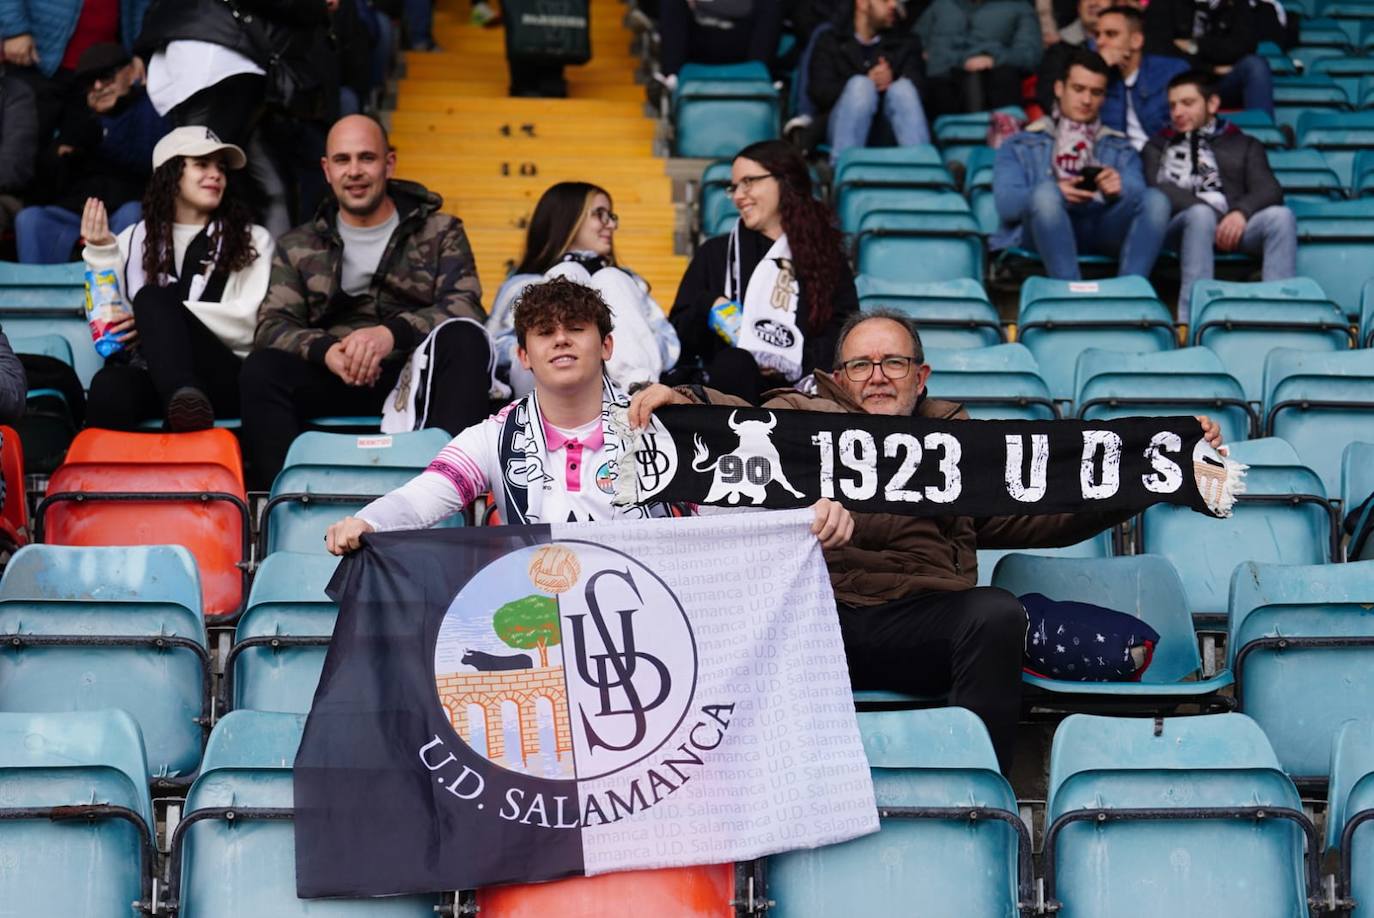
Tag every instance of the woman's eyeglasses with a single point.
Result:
(606, 217)
(747, 183)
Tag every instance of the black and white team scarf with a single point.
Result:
(926, 467)
(768, 324)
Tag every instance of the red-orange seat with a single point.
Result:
(677, 892)
(109, 463)
(216, 446)
(14, 512)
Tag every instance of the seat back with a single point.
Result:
(714, 206)
(1057, 331)
(287, 601)
(1367, 314)
(1206, 550)
(1339, 135)
(1351, 789)
(1305, 173)
(675, 892)
(1242, 333)
(1301, 694)
(859, 198)
(950, 314)
(148, 601)
(1318, 403)
(1098, 546)
(247, 866)
(919, 247)
(73, 866)
(1335, 245)
(213, 447)
(1145, 586)
(49, 300)
(213, 530)
(14, 504)
(716, 118)
(1121, 395)
(930, 758)
(1357, 487)
(1234, 866)
(995, 395)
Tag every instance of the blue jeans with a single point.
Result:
(854, 111)
(1130, 227)
(419, 20)
(1271, 233)
(46, 235)
(1249, 84)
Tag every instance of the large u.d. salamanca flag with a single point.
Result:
(518, 703)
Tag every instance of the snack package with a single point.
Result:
(105, 308)
(725, 319)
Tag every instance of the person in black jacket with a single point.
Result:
(18, 145)
(762, 307)
(856, 72)
(1221, 189)
(1219, 37)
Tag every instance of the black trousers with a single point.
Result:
(968, 643)
(960, 91)
(178, 351)
(684, 41)
(281, 391)
(734, 371)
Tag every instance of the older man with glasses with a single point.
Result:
(911, 613)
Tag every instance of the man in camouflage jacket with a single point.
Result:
(352, 294)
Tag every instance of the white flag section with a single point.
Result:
(711, 713)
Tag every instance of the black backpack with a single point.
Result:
(548, 31)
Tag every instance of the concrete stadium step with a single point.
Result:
(495, 87)
(463, 160)
(428, 65)
(451, 152)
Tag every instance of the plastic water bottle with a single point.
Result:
(105, 308)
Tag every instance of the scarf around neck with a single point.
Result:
(769, 329)
(135, 278)
(523, 453)
(1190, 163)
(1075, 145)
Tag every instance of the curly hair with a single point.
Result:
(159, 213)
(553, 226)
(816, 243)
(559, 301)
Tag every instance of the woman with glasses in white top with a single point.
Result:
(572, 235)
(761, 307)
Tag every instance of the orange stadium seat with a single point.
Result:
(104, 495)
(14, 510)
(679, 892)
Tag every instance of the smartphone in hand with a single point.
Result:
(1087, 178)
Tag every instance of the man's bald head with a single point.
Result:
(357, 163)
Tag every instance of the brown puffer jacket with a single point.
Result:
(892, 555)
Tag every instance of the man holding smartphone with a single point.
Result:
(1068, 183)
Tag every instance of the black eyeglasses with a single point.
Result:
(606, 217)
(747, 183)
(860, 369)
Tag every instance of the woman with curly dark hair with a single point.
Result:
(762, 307)
(194, 271)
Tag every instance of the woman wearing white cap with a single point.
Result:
(194, 270)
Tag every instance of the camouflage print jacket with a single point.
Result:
(426, 275)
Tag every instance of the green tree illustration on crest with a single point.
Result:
(529, 622)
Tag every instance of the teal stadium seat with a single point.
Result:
(1145, 586)
(978, 188)
(950, 837)
(1242, 323)
(1059, 319)
(1297, 94)
(1336, 247)
(1349, 72)
(1189, 817)
(959, 136)
(1363, 182)
(1186, 381)
(859, 198)
(1367, 314)
(718, 110)
(1350, 15)
(327, 476)
(49, 300)
(76, 819)
(1280, 64)
(949, 314)
(89, 628)
(1306, 174)
(1339, 136)
(716, 212)
(1320, 402)
(1283, 517)
(1301, 643)
(282, 636)
(1098, 546)
(1349, 810)
(1357, 486)
(233, 853)
(1001, 382)
(1319, 37)
(999, 358)
(1258, 123)
(920, 247)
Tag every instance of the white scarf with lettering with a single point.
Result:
(768, 324)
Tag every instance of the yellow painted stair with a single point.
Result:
(491, 157)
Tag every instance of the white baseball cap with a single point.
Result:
(196, 141)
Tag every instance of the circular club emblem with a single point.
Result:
(568, 660)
